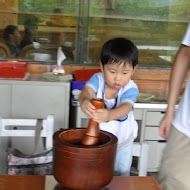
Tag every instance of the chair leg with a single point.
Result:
(49, 138)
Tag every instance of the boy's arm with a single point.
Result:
(103, 115)
(120, 111)
(127, 99)
(85, 101)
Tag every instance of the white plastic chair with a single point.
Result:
(47, 128)
(141, 151)
(23, 129)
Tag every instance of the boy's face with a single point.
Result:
(117, 75)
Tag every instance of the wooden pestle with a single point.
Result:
(93, 131)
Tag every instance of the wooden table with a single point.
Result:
(48, 183)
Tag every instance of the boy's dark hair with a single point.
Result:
(10, 29)
(119, 50)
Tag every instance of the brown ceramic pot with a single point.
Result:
(80, 167)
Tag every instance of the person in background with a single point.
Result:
(30, 31)
(12, 39)
(119, 59)
(174, 169)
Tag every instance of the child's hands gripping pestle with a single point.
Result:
(93, 131)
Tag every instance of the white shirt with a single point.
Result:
(181, 120)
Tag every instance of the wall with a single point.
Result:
(148, 80)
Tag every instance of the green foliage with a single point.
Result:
(47, 6)
(159, 9)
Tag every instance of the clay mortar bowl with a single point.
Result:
(80, 167)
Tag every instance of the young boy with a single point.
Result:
(119, 59)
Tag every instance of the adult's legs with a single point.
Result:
(174, 169)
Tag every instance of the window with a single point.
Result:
(81, 27)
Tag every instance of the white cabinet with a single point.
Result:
(148, 116)
(39, 100)
(150, 126)
(5, 99)
(36, 99)
(32, 99)
(155, 155)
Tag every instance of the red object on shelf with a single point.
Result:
(12, 69)
(84, 75)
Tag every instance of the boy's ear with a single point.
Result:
(101, 66)
(135, 68)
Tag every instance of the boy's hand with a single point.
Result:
(87, 108)
(101, 115)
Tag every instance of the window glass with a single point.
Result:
(156, 27)
(81, 27)
(43, 26)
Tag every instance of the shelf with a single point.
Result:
(126, 17)
(50, 29)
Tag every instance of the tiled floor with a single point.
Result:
(154, 174)
(134, 172)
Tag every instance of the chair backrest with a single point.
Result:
(26, 50)
(141, 151)
(7, 128)
(4, 50)
(38, 54)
